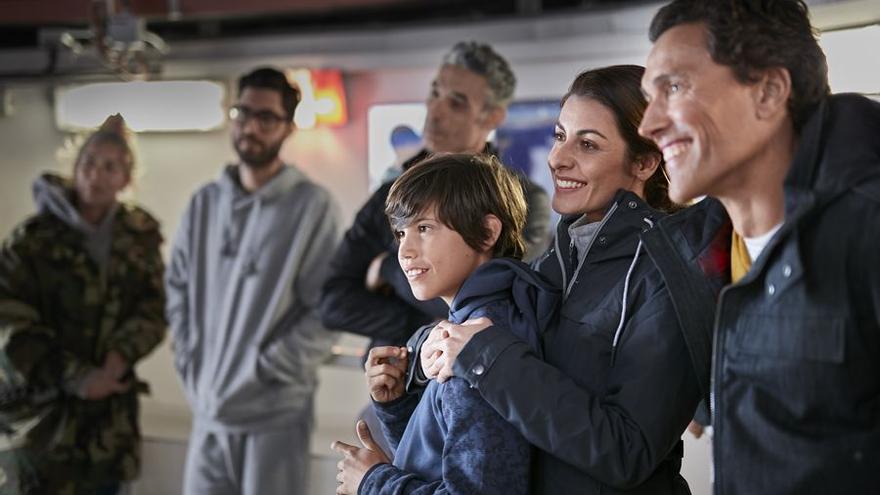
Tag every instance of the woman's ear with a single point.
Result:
(644, 166)
(493, 225)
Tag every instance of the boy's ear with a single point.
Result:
(493, 225)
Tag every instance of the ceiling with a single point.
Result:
(21, 21)
(132, 38)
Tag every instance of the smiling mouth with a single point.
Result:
(412, 273)
(568, 185)
(674, 150)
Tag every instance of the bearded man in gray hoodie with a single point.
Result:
(243, 285)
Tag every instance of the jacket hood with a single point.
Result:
(839, 146)
(286, 179)
(534, 299)
(234, 200)
(53, 194)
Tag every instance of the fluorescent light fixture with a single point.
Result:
(161, 106)
(853, 59)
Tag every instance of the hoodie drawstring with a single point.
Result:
(625, 294)
(250, 263)
(236, 238)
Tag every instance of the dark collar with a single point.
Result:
(618, 236)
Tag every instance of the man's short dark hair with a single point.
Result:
(751, 35)
(462, 189)
(269, 78)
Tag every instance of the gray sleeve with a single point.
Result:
(176, 290)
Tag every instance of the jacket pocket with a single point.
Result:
(272, 371)
(187, 356)
(589, 326)
(813, 338)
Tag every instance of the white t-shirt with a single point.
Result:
(757, 244)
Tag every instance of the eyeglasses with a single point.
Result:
(266, 120)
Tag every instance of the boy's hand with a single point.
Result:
(456, 337)
(357, 461)
(385, 371)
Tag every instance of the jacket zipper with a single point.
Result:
(589, 246)
(714, 419)
(559, 256)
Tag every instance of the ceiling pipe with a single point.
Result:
(174, 12)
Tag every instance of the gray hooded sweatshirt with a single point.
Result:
(243, 286)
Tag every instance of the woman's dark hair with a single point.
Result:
(618, 88)
(462, 189)
(751, 35)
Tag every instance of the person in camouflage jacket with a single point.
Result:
(81, 301)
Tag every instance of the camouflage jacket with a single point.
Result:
(60, 314)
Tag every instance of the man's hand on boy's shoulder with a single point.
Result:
(386, 372)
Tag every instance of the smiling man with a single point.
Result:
(243, 284)
(739, 103)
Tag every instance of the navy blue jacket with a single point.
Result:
(390, 317)
(620, 378)
(797, 361)
(448, 439)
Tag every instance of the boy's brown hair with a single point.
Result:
(462, 189)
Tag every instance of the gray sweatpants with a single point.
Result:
(255, 463)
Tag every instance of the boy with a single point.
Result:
(458, 219)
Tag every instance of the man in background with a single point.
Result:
(243, 283)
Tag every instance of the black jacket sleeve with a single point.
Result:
(619, 436)
(416, 381)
